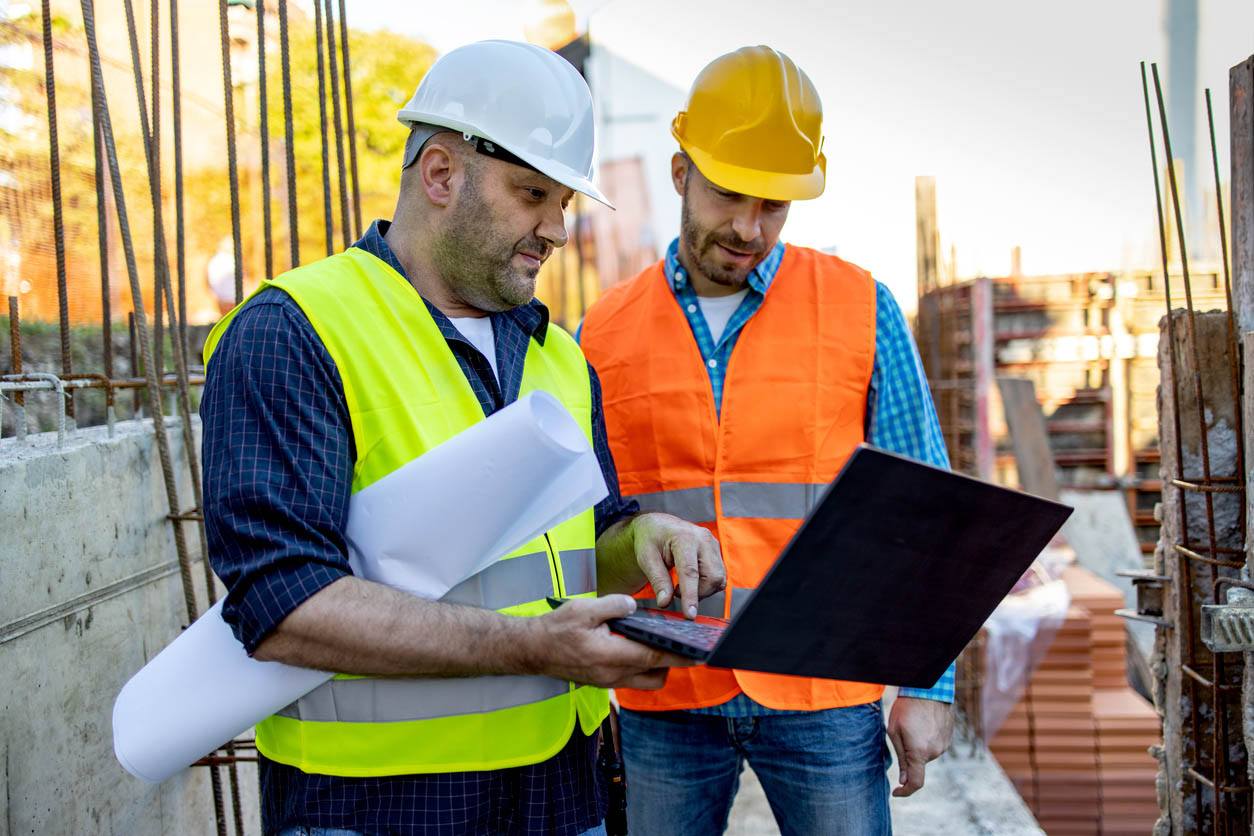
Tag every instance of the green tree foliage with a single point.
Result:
(386, 68)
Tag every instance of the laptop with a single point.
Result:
(890, 576)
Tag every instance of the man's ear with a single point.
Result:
(679, 171)
(437, 166)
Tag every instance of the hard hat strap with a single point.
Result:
(490, 149)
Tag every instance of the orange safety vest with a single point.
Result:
(794, 403)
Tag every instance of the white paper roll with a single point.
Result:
(424, 528)
(197, 694)
(479, 495)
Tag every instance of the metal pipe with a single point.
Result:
(50, 382)
(103, 382)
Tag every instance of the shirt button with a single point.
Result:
(692, 309)
(713, 364)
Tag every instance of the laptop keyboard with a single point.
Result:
(697, 633)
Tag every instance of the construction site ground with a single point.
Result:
(966, 794)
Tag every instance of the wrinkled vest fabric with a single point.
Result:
(794, 402)
(406, 394)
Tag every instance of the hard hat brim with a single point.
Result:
(554, 170)
(767, 185)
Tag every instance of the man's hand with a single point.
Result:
(662, 543)
(573, 643)
(920, 731)
(644, 549)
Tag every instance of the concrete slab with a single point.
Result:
(91, 592)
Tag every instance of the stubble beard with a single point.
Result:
(476, 262)
(699, 244)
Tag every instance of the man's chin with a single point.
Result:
(729, 278)
(520, 286)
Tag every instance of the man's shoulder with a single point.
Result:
(831, 262)
(627, 291)
(269, 327)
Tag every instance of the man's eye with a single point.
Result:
(536, 194)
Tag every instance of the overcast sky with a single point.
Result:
(1029, 114)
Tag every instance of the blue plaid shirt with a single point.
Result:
(278, 462)
(901, 417)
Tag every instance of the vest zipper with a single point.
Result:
(557, 569)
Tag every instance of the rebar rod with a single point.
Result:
(264, 138)
(153, 140)
(1234, 350)
(327, 217)
(58, 220)
(338, 122)
(102, 237)
(1183, 566)
(180, 221)
(1221, 756)
(352, 121)
(140, 321)
(228, 103)
(289, 142)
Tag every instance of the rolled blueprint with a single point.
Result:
(455, 510)
(424, 528)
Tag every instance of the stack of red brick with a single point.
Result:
(1076, 743)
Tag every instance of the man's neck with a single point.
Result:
(414, 256)
(702, 285)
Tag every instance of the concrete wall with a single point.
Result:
(1173, 691)
(89, 591)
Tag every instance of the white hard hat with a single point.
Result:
(526, 99)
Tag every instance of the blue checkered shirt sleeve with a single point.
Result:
(278, 463)
(903, 418)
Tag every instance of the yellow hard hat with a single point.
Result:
(753, 124)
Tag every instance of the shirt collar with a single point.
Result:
(532, 317)
(760, 278)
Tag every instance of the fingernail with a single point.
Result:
(692, 612)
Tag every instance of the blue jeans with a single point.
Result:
(824, 772)
(599, 830)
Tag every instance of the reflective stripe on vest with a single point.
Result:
(508, 583)
(400, 700)
(692, 504)
(764, 500)
(579, 571)
(406, 394)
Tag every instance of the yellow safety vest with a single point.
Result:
(406, 393)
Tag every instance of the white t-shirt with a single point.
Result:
(717, 310)
(478, 329)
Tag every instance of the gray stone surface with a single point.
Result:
(91, 591)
